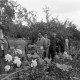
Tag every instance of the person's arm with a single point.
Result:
(48, 43)
(45, 44)
(69, 43)
(37, 41)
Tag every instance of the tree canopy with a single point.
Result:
(16, 14)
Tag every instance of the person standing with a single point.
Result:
(41, 45)
(52, 48)
(22, 45)
(67, 44)
(62, 44)
(46, 52)
(57, 46)
(3, 50)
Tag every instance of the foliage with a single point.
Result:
(45, 69)
(18, 14)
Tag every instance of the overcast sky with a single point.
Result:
(61, 8)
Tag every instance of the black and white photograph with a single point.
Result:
(39, 39)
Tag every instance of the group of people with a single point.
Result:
(49, 46)
(45, 46)
(52, 46)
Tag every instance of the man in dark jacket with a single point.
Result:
(52, 48)
(57, 46)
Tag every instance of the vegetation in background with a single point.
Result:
(16, 15)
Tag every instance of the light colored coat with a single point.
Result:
(41, 42)
(66, 44)
(48, 45)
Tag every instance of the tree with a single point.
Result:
(8, 12)
(27, 16)
(46, 11)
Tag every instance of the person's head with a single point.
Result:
(67, 37)
(19, 36)
(54, 35)
(46, 36)
(40, 35)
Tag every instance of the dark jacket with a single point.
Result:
(53, 43)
